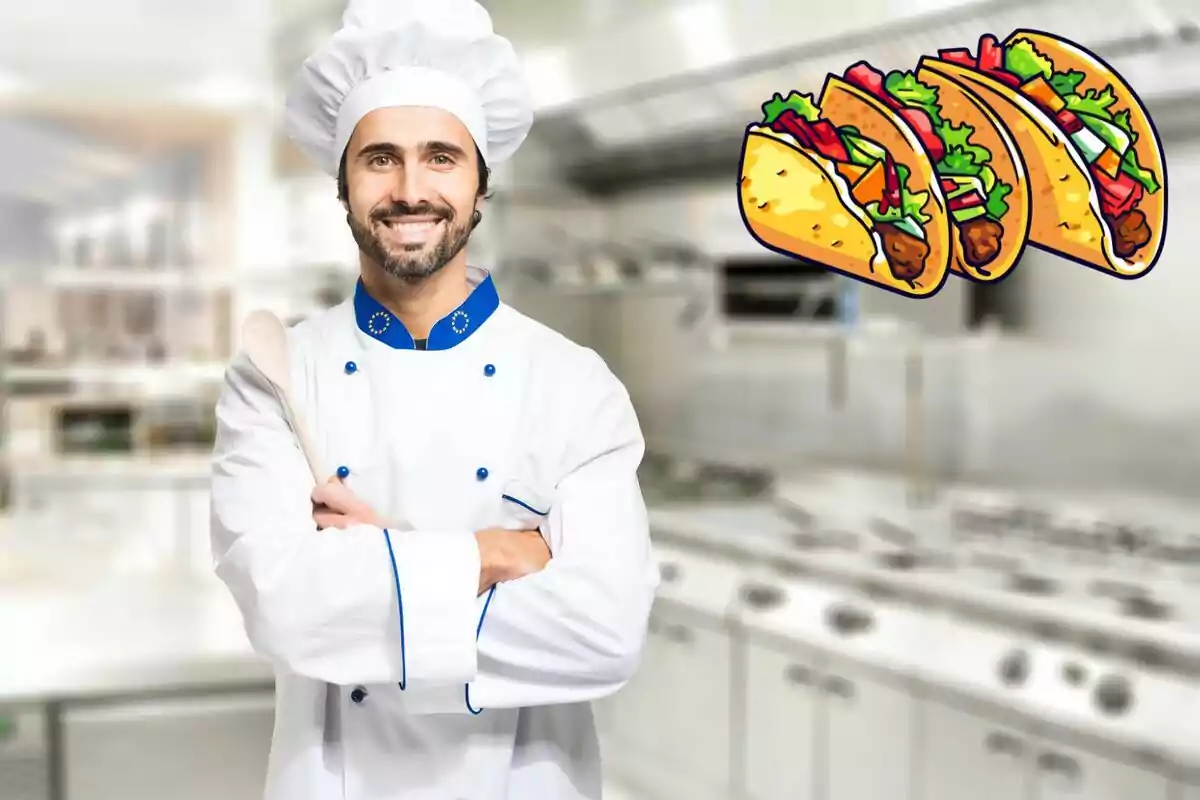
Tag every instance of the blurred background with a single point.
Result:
(927, 549)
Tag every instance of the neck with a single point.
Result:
(421, 303)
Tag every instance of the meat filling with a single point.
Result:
(905, 253)
(1130, 232)
(980, 241)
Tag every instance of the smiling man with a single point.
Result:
(476, 568)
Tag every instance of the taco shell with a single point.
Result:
(1066, 207)
(794, 202)
(961, 105)
(844, 104)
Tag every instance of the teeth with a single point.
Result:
(410, 227)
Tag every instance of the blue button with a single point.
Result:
(343, 472)
(358, 695)
(489, 370)
(481, 473)
(351, 368)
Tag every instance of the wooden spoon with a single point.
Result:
(266, 344)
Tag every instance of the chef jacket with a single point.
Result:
(395, 679)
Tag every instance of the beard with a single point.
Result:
(411, 262)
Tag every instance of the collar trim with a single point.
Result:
(451, 330)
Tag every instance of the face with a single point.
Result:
(413, 188)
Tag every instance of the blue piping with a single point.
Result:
(400, 603)
(478, 628)
(524, 505)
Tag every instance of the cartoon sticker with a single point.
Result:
(952, 168)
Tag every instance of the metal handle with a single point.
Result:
(679, 633)
(838, 373)
(799, 675)
(997, 742)
(1057, 762)
(839, 686)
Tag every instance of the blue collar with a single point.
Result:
(454, 328)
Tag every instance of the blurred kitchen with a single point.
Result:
(925, 549)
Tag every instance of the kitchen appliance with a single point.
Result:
(25, 767)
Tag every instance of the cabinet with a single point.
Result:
(969, 756)
(670, 722)
(868, 732)
(632, 718)
(1067, 773)
(782, 701)
(694, 699)
(185, 749)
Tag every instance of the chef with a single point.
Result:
(476, 568)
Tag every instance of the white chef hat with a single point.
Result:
(439, 53)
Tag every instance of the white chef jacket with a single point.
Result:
(394, 680)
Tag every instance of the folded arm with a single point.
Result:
(327, 604)
(574, 631)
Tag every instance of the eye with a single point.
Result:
(442, 159)
(380, 160)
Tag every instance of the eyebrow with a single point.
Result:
(387, 148)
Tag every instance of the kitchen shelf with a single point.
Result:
(100, 373)
(122, 279)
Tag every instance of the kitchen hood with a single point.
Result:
(665, 98)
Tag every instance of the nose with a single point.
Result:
(410, 186)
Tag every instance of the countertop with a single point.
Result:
(126, 638)
(756, 529)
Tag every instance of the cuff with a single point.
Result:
(436, 575)
(449, 699)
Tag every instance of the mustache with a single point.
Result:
(402, 209)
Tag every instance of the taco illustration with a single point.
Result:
(844, 184)
(974, 157)
(1096, 171)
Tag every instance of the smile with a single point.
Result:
(410, 231)
(405, 225)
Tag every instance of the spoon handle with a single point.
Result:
(306, 444)
(310, 453)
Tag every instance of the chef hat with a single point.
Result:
(440, 53)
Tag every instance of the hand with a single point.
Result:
(335, 506)
(506, 555)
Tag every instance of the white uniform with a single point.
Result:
(394, 680)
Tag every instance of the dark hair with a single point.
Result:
(343, 186)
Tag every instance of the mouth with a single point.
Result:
(411, 230)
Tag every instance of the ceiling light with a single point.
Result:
(12, 84)
(704, 34)
(548, 73)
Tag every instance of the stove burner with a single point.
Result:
(795, 515)
(808, 541)
(788, 568)
(901, 560)
(761, 596)
(1014, 668)
(1074, 673)
(1114, 695)
(1036, 585)
(848, 620)
(1145, 607)
(892, 533)
(1115, 590)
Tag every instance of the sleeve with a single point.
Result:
(328, 604)
(573, 632)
